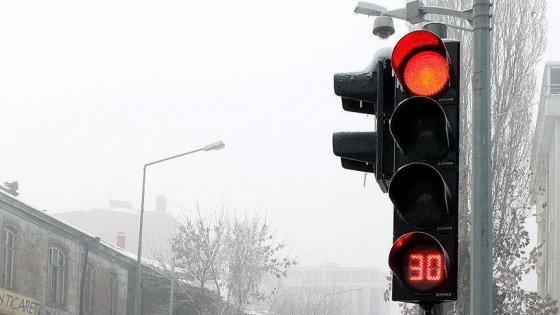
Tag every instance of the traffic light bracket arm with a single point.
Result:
(465, 15)
(415, 12)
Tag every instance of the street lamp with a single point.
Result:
(212, 146)
(336, 293)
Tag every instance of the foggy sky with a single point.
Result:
(92, 91)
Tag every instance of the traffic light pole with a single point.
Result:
(481, 210)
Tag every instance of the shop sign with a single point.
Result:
(17, 304)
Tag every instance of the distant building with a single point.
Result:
(359, 289)
(547, 182)
(119, 223)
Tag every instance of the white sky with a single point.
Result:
(92, 91)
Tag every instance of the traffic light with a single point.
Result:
(371, 91)
(424, 188)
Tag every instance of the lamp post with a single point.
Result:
(336, 293)
(137, 294)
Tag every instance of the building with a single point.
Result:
(547, 182)
(344, 290)
(49, 267)
(118, 224)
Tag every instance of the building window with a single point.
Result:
(8, 245)
(554, 81)
(87, 289)
(113, 283)
(57, 269)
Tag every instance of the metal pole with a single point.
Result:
(481, 212)
(137, 288)
(170, 158)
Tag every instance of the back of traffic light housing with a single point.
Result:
(368, 92)
(424, 188)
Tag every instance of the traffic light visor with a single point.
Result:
(421, 64)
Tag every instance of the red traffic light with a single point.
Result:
(421, 64)
(419, 262)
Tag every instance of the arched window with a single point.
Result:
(87, 292)
(57, 272)
(8, 246)
(113, 286)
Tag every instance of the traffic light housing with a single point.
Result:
(424, 188)
(371, 91)
(413, 91)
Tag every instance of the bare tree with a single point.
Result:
(518, 41)
(225, 256)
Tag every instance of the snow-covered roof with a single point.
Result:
(84, 234)
(118, 210)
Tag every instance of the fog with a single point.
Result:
(92, 91)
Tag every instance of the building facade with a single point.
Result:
(43, 263)
(342, 290)
(48, 267)
(547, 182)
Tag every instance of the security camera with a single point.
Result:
(383, 27)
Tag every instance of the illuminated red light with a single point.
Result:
(426, 74)
(420, 62)
(419, 262)
(434, 272)
(424, 268)
(416, 267)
